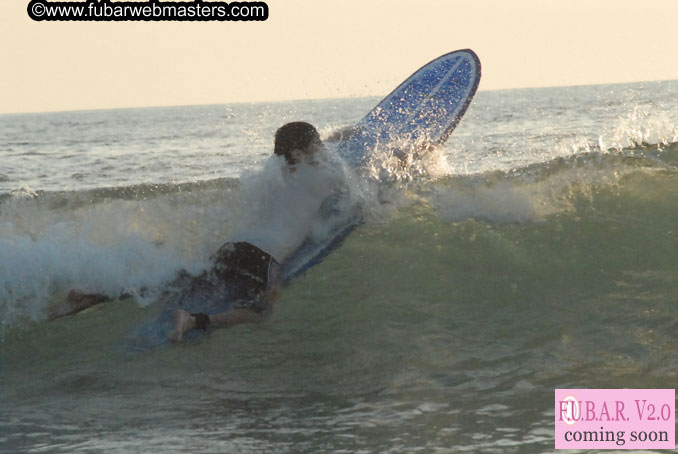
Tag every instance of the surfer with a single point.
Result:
(280, 219)
(284, 206)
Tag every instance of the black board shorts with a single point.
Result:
(248, 268)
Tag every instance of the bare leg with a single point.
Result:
(184, 322)
(234, 317)
(76, 301)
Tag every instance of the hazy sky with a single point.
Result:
(328, 49)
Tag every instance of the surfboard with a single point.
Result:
(423, 110)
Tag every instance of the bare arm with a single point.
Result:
(342, 134)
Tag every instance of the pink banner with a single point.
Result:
(615, 418)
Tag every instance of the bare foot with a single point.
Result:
(183, 322)
(76, 301)
(60, 310)
(85, 300)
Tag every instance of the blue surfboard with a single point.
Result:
(423, 110)
(426, 107)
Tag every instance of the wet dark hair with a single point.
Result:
(294, 136)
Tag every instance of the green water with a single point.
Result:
(542, 257)
(418, 334)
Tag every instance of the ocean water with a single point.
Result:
(537, 250)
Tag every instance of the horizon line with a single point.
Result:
(329, 98)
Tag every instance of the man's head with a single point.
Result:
(296, 139)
